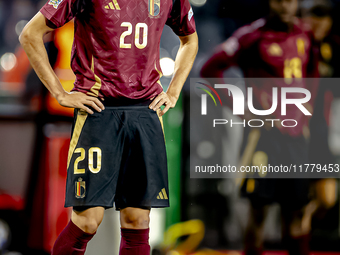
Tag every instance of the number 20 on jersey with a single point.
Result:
(125, 38)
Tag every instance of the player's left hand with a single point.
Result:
(163, 99)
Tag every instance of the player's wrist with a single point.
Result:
(173, 98)
(60, 95)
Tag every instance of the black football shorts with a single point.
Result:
(117, 156)
(277, 149)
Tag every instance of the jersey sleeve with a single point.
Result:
(228, 53)
(225, 56)
(60, 12)
(181, 18)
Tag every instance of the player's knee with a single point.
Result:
(135, 218)
(88, 220)
(91, 226)
(88, 225)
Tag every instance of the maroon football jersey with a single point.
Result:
(116, 42)
(261, 51)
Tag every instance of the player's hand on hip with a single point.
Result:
(81, 101)
(163, 99)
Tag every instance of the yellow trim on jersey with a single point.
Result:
(160, 75)
(159, 82)
(81, 118)
(159, 72)
(94, 91)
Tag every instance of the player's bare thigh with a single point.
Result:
(88, 220)
(134, 218)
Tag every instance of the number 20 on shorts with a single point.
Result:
(92, 151)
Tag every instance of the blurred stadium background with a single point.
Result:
(34, 137)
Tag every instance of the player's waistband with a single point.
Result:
(114, 102)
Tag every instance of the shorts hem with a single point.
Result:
(89, 206)
(117, 207)
(121, 206)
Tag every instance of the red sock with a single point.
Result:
(134, 242)
(71, 241)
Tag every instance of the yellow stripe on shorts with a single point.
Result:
(81, 118)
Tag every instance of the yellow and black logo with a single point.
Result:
(113, 5)
(162, 194)
(80, 188)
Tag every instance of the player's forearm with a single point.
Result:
(34, 47)
(183, 64)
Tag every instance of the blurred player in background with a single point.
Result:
(320, 19)
(278, 46)
(117, 95)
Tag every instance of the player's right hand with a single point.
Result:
(81, 101)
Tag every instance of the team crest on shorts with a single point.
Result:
(55, 3)
(154, 7)
(80, 188)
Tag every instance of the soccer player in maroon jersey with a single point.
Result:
(277, 46)
(117, 151)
